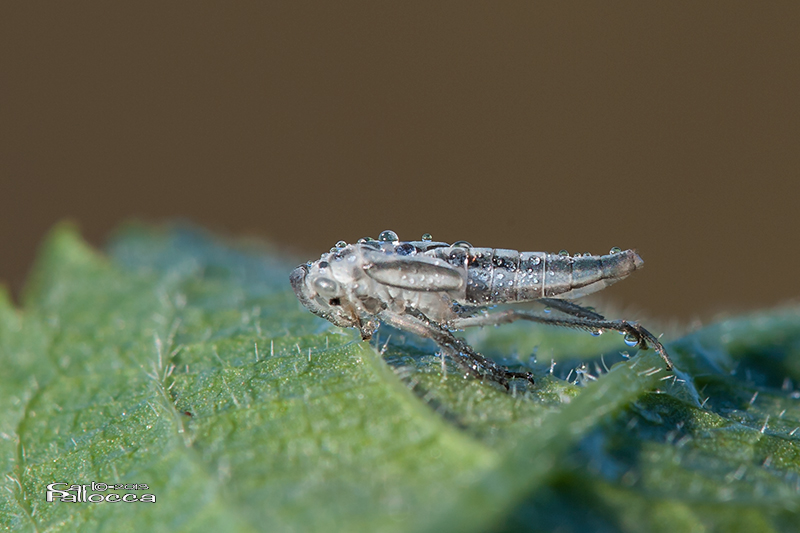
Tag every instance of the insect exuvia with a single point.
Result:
(434, 288)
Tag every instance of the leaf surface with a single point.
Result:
(186, 363)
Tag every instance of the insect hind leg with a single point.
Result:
(571, 308)
(643, 337)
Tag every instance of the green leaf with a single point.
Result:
(186, 363)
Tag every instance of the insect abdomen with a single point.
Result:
(496, 275)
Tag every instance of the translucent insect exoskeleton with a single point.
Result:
(433, 289)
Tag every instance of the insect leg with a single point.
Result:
(571, 308)
(425, 328)
(462, 353)
(642, 336)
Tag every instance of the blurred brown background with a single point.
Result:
(671, 128)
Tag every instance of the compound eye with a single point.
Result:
(326, 287)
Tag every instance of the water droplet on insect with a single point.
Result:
(323, 264)
(548, 309)
(461, 244)
(334, 249)
(388, 236)
(615, 250)
(362, 240)
(587, 254)
(405, 249)
(536, 260)
(596, 332)
(341, 244)
(371, 243)
(563, 253)
(630, 340)
(427, 237)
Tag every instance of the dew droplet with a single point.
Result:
(630, 339)
(388, 236)
(372, 243)
(341, 244)
(548, 309)
(461, 244)
(563, 253)
(427, 237)
(615, 250)
(596, 332)
(405, 248)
